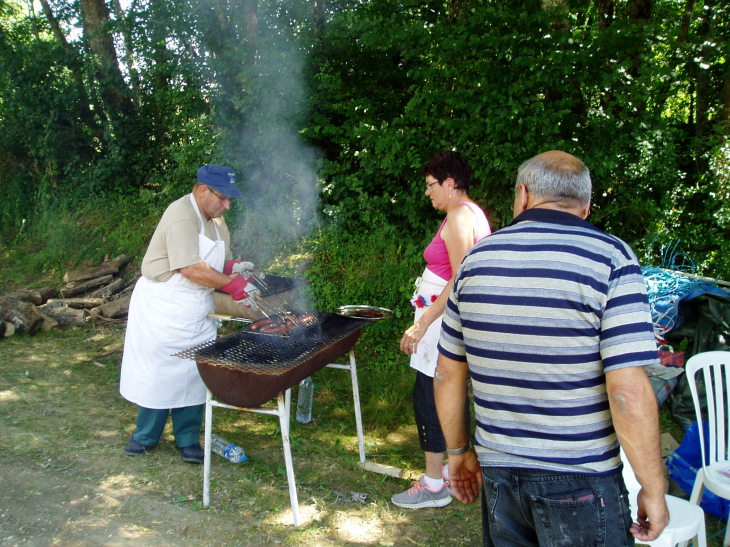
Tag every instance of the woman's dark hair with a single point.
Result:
(447, 163)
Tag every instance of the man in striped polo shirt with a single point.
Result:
(550, 317)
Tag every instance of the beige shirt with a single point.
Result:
(174, 244)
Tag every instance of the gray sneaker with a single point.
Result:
(447, 483)
(419, 496)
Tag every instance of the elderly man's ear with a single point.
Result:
(522, 197)
(586, 211)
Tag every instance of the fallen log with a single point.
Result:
(122, 260)
(23, 315)
(6, 329)
(107, 268)
(115, 308)
(130, 288)
(47, 293)
(28, 295)
(48, 323)
(69, 317)
(81, 288)
(110, 289)
(76, 303)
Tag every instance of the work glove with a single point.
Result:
(245, 269)
(242, 291)
(237, 266)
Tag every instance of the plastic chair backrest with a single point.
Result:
(715, 367)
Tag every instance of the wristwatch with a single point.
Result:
(459, 451)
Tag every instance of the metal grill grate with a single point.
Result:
(267, 354)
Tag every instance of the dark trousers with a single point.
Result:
(187, 422)
(430, 434)
(531, 508)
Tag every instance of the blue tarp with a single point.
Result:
(667, 289)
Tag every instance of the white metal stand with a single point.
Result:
(283, 411)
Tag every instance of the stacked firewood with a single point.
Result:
(90, 295)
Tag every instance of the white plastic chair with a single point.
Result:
(715, 373)
(686, 521)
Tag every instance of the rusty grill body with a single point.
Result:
(247, 369)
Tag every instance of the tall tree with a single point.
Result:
(75, 65)
(96, 24)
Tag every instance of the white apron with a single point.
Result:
(166, 318)
(424, 360)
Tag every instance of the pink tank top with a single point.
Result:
(436, 254)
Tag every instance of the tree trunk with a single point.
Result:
(95, 20)
(703, 126)
(251, 17)
(726, 107)
(456, 9)
(639, 14)
(639, 11)
(160, 54)
(605, 14)
(318, 18)
(87, 117)
(125, 26)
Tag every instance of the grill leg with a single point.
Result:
(287, 404)
(356, 398)
(208, 435)
(284, 421)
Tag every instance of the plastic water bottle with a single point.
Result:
(229, 451)
(304, 400)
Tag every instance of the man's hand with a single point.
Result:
(237, 288)
(652, 517)
(465, 476)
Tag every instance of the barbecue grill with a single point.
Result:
(247, 369)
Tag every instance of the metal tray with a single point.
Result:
(366, 313)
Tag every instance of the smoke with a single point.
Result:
(278, 180)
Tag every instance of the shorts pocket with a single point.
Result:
(579, 521)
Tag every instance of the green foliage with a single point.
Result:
(375, 268)
(500, 86)
(334, 127)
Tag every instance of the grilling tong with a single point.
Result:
(272, 306)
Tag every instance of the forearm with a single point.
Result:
(636, 421)
(204, 274)
(450, 393)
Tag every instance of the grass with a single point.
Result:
(63, 417)
(66, 424)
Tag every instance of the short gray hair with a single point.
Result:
(556, 176)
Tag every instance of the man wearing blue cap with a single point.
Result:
(188, 257)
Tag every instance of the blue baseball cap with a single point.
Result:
(220, 178)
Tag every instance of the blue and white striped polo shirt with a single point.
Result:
(540, 310)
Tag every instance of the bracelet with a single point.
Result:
(459, 451)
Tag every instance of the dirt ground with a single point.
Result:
(65, 480)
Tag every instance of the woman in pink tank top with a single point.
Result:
(447, 185)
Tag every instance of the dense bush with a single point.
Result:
(328, 124)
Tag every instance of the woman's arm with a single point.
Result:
(458, 234)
